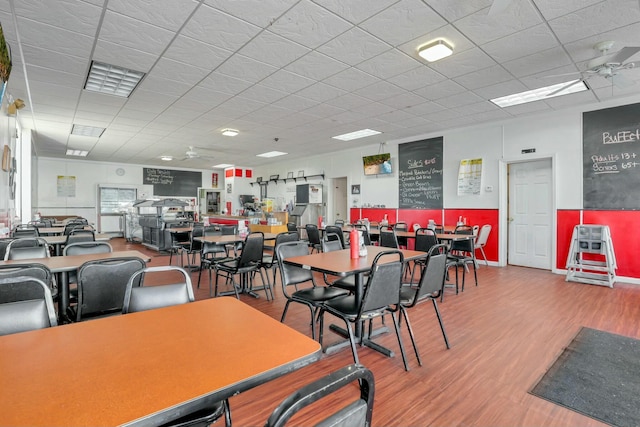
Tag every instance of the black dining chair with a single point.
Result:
(270, 259)
(28, 305)
(401, 226)
(245, 265)
(381, 297)
(138, 297)
(430, 287)
(336, 230)
(462, 254)
(313, 236)
(27, 248)
(354, 412)
(38, 271)
(293, 276)
(388, 237)
(425, 239)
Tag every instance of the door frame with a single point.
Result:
(503, 217)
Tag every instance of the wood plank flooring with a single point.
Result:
(504, 334)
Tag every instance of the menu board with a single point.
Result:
(169, 182)
(420, 174)
(611, 158)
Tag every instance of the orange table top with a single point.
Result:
(58, 264)
(137, 369)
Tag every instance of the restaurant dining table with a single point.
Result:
(144, 368)
(58, 241)
(340, 263)
(62, 265)
(50, 230)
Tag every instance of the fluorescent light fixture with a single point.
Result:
(272, 154)
(83, 130)
(229, 132)
(222, 166)
(112, 80)
(357, 134)
(79, 153)
(539, 94)
(166, 158)
(435, 50)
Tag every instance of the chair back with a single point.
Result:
(27, 248)
(80, 235)
(357, 413)
(252, 250)
(463, 245)
(388, 238)
(197, 231)
(228, 230)
(334, 229)
(313, 234)
(212, 230)
(140, 298)
(102, 285)
(425, 239)
(83, 248)
(291, 274)
(31, 309)
(331, 243)
(37, 271)
(291, 226)
(383, 285)
(433, 274)
(483, 235)
(3, 246)
(365, 233)
(401, 225)
(23, 230)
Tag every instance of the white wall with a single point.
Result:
(88, 175)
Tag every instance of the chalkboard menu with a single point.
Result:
(168, 182)
(611, 158)
(420, 174)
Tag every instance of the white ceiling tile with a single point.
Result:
(39, 74)
(349, 101)
(404, 101)
(262, 93)
(309, 24)
(151, 101)
(194, 52)
(372, 109)
(501, 89)
(476, 108)
(203, 98)
(295, 103)
(595, 19)
(80, 16)
(272, 49)
(483, 28)
(258, 12)
(425, 109)
(440, 90)
(355, 11)
(351, 79)
(57, 39)
(54, 60)
(324, 110)
(485, 77)
(379, 90)
(465, 62)
(354, 46)
(286, 81)
(122, 56)
(246, 68)
(417, 78)
(219, 29)
(389, 64)
(531, 40)
(405, 21)
(321, 92)
(224, 83)
(163, 86)
(459, 100)
(317, 66)
(539, 62)
(453, 10)
(168, 14)
(133, 33)
(551, 9)
(178, 72)
(569, 100)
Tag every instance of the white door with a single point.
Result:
(530, 210)
(339, 200)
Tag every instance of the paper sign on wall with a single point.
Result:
(470, 177)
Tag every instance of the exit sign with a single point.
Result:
(528, 150)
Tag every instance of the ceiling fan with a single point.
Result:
(607, 66)
(191, 154)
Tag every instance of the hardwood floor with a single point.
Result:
(504, 334)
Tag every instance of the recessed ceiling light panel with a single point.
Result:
(435, 50)
(541, 93)
(222, 166)
(82, 130)
(112, 80)
(166, 158)
(272, 154)
(357, 134)
(79, 153)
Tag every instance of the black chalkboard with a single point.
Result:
(420, 174)
(168, 182)
(611, 158)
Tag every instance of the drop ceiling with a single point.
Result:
(299, 71)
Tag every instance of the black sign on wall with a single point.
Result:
(168, 182)
(420, 174)
(611, 158)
